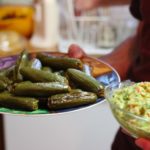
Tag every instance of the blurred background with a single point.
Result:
(97, 31)
(51, 25)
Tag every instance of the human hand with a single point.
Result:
(75, 51)
(144, 144)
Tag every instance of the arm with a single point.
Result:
(122, 57)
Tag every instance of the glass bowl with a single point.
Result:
(137, 126)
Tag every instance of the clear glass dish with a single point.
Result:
(136, 126)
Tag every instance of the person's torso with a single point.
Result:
(141, 67)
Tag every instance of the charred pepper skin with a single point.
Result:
(5, 83)
(60, 62)
(5, 79)
(21, 62)
(48, 69)
(70, 100)
(3, 86)
(35, 75)
(39, 89)
(22, 103)
(86, 82)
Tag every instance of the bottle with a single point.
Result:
(46, 28)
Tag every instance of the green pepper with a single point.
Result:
(3, 85)
(23, 103)
(21, 62)
(35, 75)
(72, 99)
(86, 82)
(7, 71)
(48, 69)
(39, 89)
(5, 80)
(60, 62)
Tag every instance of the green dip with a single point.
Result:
(134, 108)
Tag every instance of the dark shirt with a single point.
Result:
(135, 9)
(140, 70)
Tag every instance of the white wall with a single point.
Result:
(87, 129)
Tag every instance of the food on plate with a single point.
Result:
(130, 105)
(85, 81)
(44, 89)
(49, 82)
(36, 75)
(21, 62)
(60, 62)
(15, 102)
(72, 99)
(3, 85)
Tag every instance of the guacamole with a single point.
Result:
(134, 99)
(131, 107)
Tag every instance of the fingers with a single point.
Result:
(75, 51)
(143, 143)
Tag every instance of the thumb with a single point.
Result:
(75, 51)
(143, 143)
